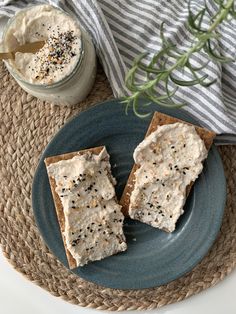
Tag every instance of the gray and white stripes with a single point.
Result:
(122, 29)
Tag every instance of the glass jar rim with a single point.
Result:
(64, 79)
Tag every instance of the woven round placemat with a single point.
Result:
(27, 125)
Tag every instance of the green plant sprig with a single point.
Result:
(157, 71)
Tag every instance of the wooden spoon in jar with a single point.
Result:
(29, 47)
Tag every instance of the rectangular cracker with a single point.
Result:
(158, 120)
(56, 198)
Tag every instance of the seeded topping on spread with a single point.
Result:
(55, 55)
(170, 159)
(93, 218)
(62, 49)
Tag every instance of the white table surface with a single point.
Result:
(20, 296)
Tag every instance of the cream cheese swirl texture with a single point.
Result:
(169, 159)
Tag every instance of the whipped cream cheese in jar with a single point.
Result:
(63, 70)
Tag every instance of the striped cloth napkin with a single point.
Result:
(122, 29)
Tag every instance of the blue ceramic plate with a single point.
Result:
(153, 257)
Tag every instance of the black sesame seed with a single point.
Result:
(88, 206)
(184, 172)
(170, 216)
(99, 225)
(184, 145)
(172, 147)
(120, 220)
(104, 232)
(73, 202)
(104, 206)
(154, 163)
(95, 190)
(78, 194)
(163, 184)
(73, 207)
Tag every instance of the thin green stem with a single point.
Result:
(221, 16)
(203, 39)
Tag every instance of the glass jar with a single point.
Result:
(70, 89)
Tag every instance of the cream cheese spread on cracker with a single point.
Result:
(169, 159)
(93, 218)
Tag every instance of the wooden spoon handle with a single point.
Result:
(28, 47)
(7, 55)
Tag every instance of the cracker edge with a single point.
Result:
(158, 120)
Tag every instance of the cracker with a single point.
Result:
(56, 198)
(158, 120)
